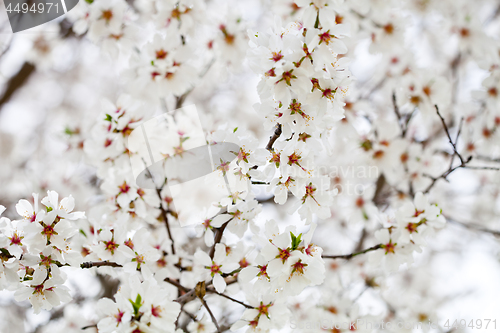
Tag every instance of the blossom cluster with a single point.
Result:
(317, 96)
(35, 246)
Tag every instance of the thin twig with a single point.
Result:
(89, 326)
(272, 139)
(351, 255)
(449, 136)
(217, 238)
(177, 284)
(91, 264)
(473, 226)
(165, 218)
(232, 299)
(398, 114)
(211, 314)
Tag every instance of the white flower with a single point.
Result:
(214, 268)
(62, 209)
(43, 291)
(203, 325)
(27, 211)
(418, 219)
(267, 314)
(392, 253)
(111, 246)
(143, 305)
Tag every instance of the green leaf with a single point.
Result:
(49, 209)
(137, 304)
(108, 117)
(235, 129)
(295, 241)
(89, 1)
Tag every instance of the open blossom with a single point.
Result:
(29, 212)
(43, 291)
(393, 252)
(141, 305)
(293, 264)
(110, 245)
(144, 253)
(353, 127)
(314, 198)
(418, 219)
(267, 313)
(214, 268)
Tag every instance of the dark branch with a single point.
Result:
(350, 256)
(218, 238)
(272, 139)
(91, 264)
(211, 314)
(234, 300)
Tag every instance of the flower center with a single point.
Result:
(325, 37)
(298, 267)
(111, 246)
(389, 247)
(124, 187)
(277, 56)
(155, 310)
(107, 15)
(284, 254)
(16, 239)
(119, 316)
(161, 54)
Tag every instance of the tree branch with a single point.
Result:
(91, 264)
(211, 314)
(272, 139)
(473, 226)
(165, 218)
(350, 256)
(463, 162)
(218, 238)
(232, 299)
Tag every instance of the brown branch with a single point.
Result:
(463, 162)
(351, 255)
(91, 264)
(474, 226)
(89, 326)
(232, 299)
(218, 238)
(449, 136)
(191, 295)
(16, 82)
(272, 139)
(211, 314)
(378, 198)
(165, 219)
(398, 114)
(487, 158)
(177, 284)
